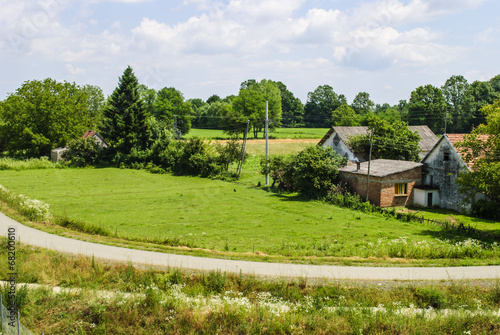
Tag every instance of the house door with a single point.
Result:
(429, 199)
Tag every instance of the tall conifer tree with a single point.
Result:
(125, 124)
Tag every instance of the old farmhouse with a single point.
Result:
(338, 138)
(440, 171)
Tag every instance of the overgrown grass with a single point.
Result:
(122, 299)
(239, 220)
(7, 163)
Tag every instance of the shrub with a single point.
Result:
(28, 164)
(313, 171)
(486, 209)
(229, 153)
(83, 152)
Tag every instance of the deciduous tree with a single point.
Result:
(320, 105)
(391, 140)
(458, 102)
(42, 115)
(251, 104)
(482, 148)
(427, 106)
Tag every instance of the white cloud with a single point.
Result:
(74, 70)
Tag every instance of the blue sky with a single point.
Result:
(203, 47)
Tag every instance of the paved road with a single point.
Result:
(45, 240)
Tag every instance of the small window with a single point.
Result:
(446, 156)
(401, 189)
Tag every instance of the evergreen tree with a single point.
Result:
(125, 124)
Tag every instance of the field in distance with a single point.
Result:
(240, 220)
(309, 133)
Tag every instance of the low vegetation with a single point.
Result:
(238, 220)
(122, 299)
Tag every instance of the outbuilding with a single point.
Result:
(390, 183)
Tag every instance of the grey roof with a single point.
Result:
(427, 138)
(382, 167)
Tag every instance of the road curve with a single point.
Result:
(42, 239)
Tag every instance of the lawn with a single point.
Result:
(237, 218)
(295, 133)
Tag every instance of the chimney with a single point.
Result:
(358, 164)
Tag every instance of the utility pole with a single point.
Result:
(267, 143)
(369, 163)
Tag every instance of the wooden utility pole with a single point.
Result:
(369, 163)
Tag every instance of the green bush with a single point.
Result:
(313, 171)
(83, 152)
(486, 209)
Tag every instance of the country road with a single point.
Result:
(38, 238)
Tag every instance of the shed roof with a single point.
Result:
(382, 167)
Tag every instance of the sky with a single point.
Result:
(203, 47)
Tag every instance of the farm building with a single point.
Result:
(440, 171)
(56, 154)
(99, 139)
(338, 138)
(391, 182)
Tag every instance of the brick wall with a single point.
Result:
(381, 192)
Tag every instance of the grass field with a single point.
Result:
(240, 219)
(111, 298)
(296, 133)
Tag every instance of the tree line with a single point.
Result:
(42, 115)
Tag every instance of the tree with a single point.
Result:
(251, 104)
(197, 105)
(482, 148)
(292, 108)
(213, 98)
(482, 95)
(320, 105)
(362, 104)
(170, 106)
(391, 140)
(427, 107)
(458, 100)
(125, 115)
(95, 104)
(344, 116)
(210, 115)
(43, 115)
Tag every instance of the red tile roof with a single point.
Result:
(455, 138)
(88, 133)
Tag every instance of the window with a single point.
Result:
(401, 189)
(446, 156)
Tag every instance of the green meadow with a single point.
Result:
(240, 219)
(294, 133)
